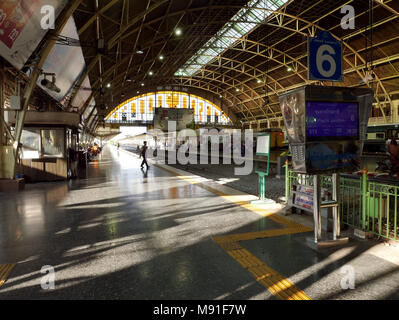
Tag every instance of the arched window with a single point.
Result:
(141, 108)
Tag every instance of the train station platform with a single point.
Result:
(128, 233)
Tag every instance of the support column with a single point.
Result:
(395, 107)
(316, 207)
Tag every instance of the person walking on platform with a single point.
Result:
(143, 154)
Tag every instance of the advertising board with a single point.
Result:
(20, 28)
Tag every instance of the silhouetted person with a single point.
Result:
(143, 154)
(393, 149)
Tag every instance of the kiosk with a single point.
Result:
(326, 128)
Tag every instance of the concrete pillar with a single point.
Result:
(395, 107)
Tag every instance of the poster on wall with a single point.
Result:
(183, 117)
(20, 28)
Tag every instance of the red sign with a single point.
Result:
(14, 16)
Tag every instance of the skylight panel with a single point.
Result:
(243, 22)
(256, 15)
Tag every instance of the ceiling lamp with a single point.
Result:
(178, 32)
(139, 50)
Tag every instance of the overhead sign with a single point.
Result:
(183, 118)
(325, 58)
(20, 28)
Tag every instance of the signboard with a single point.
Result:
(325, 58)
(262, 149)
(184, 118)
(326, 127)
(304, 201)
(67, 62)
(20, 28)
(332, 120)
(263, 145)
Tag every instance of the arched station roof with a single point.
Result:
(245, 51)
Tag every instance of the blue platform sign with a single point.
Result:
(325, 58)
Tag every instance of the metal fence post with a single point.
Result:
(364, 199)
(287, 182)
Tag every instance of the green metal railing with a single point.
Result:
(365, 203)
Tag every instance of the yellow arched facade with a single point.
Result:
(141, 108)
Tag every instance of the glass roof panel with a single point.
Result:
(243, 22)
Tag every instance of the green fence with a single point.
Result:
(365, 203)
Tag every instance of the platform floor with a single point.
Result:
(125, 233)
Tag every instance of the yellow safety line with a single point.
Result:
(277, 218)
(279, 286)
(5, 270)
(259, 234)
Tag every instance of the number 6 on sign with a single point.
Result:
(322, 56)
(325, 58)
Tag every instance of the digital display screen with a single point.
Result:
(332, 120)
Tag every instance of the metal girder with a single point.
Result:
(313, 27)
(113, 40)
(389, 8)
(82, 77)
(251, 76)
(168, 38)
(96, 15)
(86, 104)
(279, 19)
(269, 53)
(137, 39)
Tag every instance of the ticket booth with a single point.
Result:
(326, 128)
(45, 141)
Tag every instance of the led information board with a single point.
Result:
(331, 120)
(326, 127)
